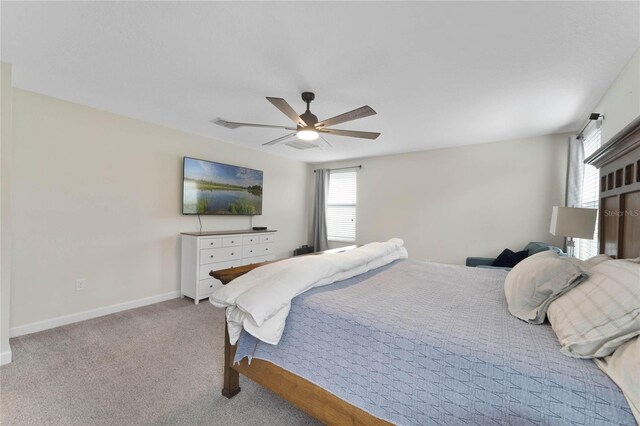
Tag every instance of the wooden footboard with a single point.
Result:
(305, 395)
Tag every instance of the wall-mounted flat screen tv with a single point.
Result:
(216, 188)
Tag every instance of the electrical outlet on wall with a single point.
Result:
(81, 284)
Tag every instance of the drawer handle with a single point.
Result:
(231, 254)
(210, 285)
(232, 242)
(212, 256)
(250, 251)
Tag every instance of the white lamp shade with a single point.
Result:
(573, 222)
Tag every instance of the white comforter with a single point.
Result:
(259, 301)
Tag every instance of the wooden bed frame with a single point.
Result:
(619, 164)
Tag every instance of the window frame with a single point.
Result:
(591, 140)
(339, 238)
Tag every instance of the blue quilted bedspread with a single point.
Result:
(419, 343)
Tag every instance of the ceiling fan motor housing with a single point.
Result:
(309, 118)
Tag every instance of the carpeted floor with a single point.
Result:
(159, 364)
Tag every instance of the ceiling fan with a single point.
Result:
(308, 128)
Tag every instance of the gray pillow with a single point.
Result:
(537, 247)
(538, 280)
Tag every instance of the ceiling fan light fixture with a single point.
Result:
(307, 135)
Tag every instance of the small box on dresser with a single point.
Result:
(203, 252)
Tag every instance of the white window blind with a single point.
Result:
(341, 205)
(590, 198)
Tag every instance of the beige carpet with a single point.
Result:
(160, 364)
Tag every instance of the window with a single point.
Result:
(341, 206)
(590, 196)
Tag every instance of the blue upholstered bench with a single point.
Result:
(532, 247)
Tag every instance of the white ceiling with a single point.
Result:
(439, 74)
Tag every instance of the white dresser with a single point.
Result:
(203, 252)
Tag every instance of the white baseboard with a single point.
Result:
(5, 357)
(85, 315)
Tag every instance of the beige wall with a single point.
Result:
(6, 148)
(98, 196)
(621, 104)
(476, 200)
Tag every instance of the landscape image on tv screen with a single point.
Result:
(215, 188)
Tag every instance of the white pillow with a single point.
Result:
(539, 279)
(602, 313)
(598, 259)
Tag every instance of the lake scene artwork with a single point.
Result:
(216, 188)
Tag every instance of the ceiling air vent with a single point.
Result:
(301, 145)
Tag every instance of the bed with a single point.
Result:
(440, 346)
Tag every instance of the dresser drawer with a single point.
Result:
(231, 241)
(260, 250)
(205, 269)
(267, 238)
(251, 251)
(267, 249)
(253, 239)
(208, 286)
(220, 255)
(209, 243)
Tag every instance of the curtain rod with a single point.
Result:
(359, 166)
(593, 117)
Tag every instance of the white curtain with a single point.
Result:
(575, 172)
(575, 175)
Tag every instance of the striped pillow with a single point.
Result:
(601, 313)
(597, 259)
(623, 367)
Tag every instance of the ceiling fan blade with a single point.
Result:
(323, 143)
(279, 140)
(235, 125)
(286, 109)
(351, 133)
(357, 113)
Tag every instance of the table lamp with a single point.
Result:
(573, 222)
